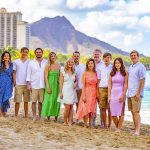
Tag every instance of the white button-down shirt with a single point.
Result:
(35, 74)
(103, 75)
(98, 66)
(79, 70)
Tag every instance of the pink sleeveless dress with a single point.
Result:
(116, 107)
(90, 95)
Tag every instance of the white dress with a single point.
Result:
(68, 91)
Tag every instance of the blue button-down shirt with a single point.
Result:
(136, 73)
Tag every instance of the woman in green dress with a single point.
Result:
(51, 107)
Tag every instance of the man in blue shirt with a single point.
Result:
(137, 73)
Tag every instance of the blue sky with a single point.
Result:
(121, 23)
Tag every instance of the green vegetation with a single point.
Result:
(63, 57)
(143, 59)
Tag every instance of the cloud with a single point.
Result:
(95, 22)
(35, 9)
(83, 4)
(139, 7)
(145, 22)
(124, 24)
(119, 29)
(8, 3)
(133, 39)
(132, 7)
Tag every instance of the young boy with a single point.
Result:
(103, 76)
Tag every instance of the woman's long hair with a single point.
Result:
(90, 59)
(122, 68)
(50, 54)
(3, 66)
(66, 65)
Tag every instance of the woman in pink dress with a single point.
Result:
(117, 92)
(87, 104)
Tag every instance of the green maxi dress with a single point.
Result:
(50, 106)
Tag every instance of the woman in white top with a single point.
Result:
(68, 95)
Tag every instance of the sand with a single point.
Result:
(19, 133)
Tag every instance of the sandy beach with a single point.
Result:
(19, 133)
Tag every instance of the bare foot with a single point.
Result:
(70, 124)
(34, 118)
(91, 127)
(2, 118)
(136, 133)
(105, 127)
(132, 131)
(109, 128)
(65, 123)
(117, 130)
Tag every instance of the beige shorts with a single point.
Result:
(134, 105)
(103, 98)
(21, 91)
(37, 95)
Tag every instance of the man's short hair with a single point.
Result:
(38, 49)
(134, 51)
(107, 54)
(76, 52)
(24, 48)
(98, 50)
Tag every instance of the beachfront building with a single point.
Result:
(13, 31)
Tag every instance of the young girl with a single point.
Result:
(117, 92)
(68, 95)
(87, 104)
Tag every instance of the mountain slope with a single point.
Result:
(59, 34)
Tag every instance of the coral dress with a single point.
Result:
(89, 106)
(116, 107)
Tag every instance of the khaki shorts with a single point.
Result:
(103, 97)
(37, 95)
(79, 92)
(134, 105)
(21, 91)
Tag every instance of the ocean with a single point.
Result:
(145, 107)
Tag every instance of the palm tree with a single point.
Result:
(1, 51)
(12, 51)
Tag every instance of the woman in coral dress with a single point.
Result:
(117, 92)
(87, 104)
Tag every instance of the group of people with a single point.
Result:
(48, 84)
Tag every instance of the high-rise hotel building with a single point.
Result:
(13, 31)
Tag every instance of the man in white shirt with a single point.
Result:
(97, 58)
(79, 70)
(19, 76)
(35, 80)
(103, 76)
